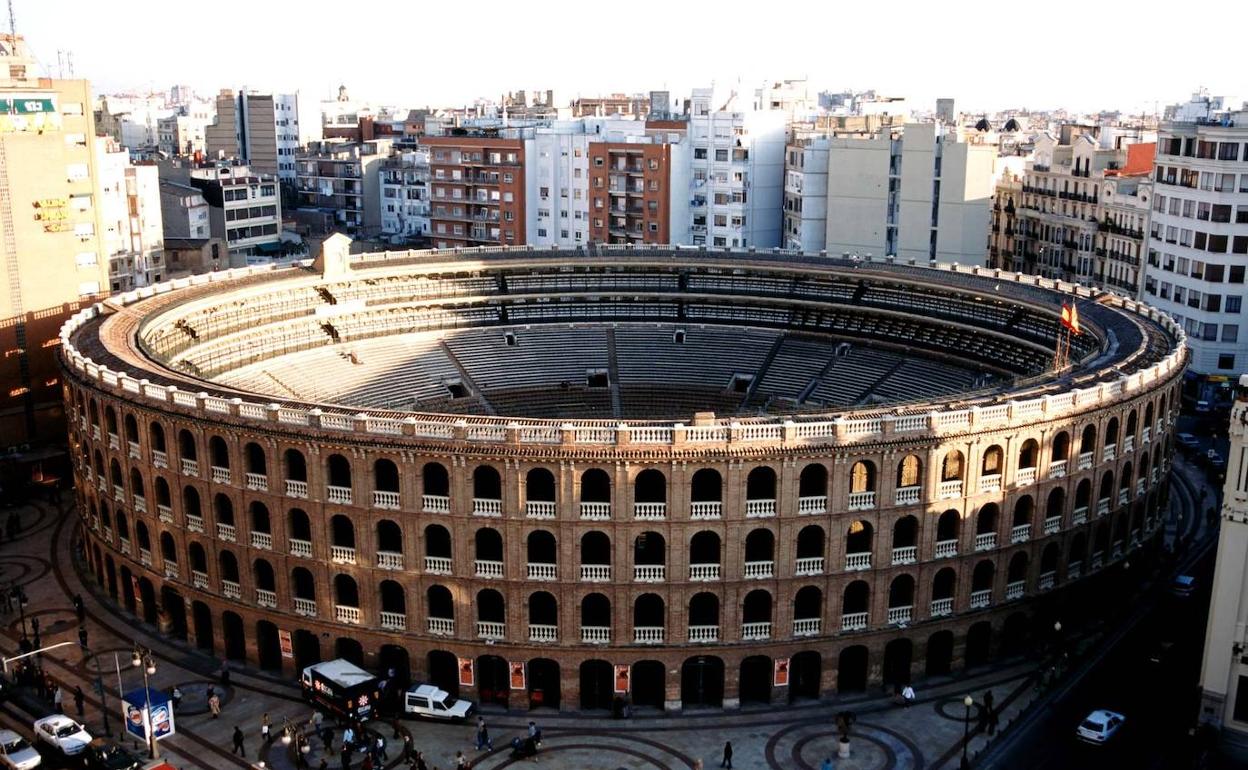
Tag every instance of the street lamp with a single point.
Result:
(968, 701)
(142, 658)
(19, 596)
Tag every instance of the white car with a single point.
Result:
(1099, 726)
(16, 753)
(63, 734)
(425, 700)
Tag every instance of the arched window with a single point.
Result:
(813, 482)
(760, 489)
(756, 615)
(595, 618)
(223, 509)
(1029, 454)
(302, 584)
(256, 462)
(437, 549)
(218, 453)
(300, 527)
(947, 528)
(539, 493)
(906, 540)
(993, 463)
(389, 544)
(760, 553)
(543, 617)
(435, 488)
(951, 467)
(859, 542)
(342, 533)
(862, 477)
(385, 484)
(156, 433)
(259, 515)
(1087, 442)
(346, 592)
(595, 556)
(438, 604)
(339, 473)
(228, 565)
(909, 472)
(703, 617)
(488, 546)
(704, 556)
(541, 555)
(1060, 451)
(393, 604)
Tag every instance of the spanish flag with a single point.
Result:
(1070, 318)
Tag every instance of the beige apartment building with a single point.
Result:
(50, 249)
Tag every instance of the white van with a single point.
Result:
(425, 700)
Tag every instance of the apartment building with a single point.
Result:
(52, 258)
(131, 230)
(265, 131)
(337, 187)
(404, 180)
(184, 213)
(636, 105)
(736, 188)
(917, 191)
(1007, 193)
(630, 187)
(193, 256)
(477, 189)
(1197, 242)
(557, 179)
(184, 132)
(805, 218)
(1121, 243)
(244, 209)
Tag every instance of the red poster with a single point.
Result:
(134, 587)
(781, 678)
(283, 640)
(622, 678)
(466, 678)
(517, 676)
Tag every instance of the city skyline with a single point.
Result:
(959, 64)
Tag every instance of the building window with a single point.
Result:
(1227, 361)
(1230, 333)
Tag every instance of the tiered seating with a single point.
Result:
(920, 378)
(708, 357)
(542, 356)
(853, 376)
(795, 365)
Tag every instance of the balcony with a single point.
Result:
(340, 495)
(812, 505)
(857, 561)
(807, 626)
(649, 573)
(435, 503)
(95, 432)
(262, 540)
(990, 483)
(595, 511)
(1128, 445)
(1020, 533)
(1146, 435)
(1084, 461)
(297, 489)
(114, 442)
(539, 571)
(706, 509)
(648, 635)
(266, 598)
(1079, 516)
(1052, 525)
(853, 621)
(490, 630)
(1123, 495)
(760, 509)
(946, 548)
(389, 560)
(140, 504)
(1024, 477)
(543, 633)
(753, 632)
(393, 621)
(257, 482)
(1074, 569)
(981, 598)
(539, 509)
(1102, 507)
(438, 565)
(132, 449)
(199, 579)
(342, 554)
(1140, 488)
(907, 495)
(700, 573)
(1047, 580)
(190, 467)
(488, 569)
(1110, 452)
(595, 634)
(1014, 590)
(171, 570)
(220, 475)
(650, 511)
(194, 523)
(899, 615)
(227, 532)
(119, 493)
(759, 570)
(160, 459)
(386, 500)
(950, 489)
(907, 554)
(941, 607)
(231, 589)
(145, 557)
(484, 506)
(301, 548)
(861, 501)
(305, 607)
(596, 573)
(808, 565)
(1057, 469)
(124, 544)
(440, 626)
(985, 541)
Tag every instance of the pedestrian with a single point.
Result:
(420, 761)
(827, 764)
(238, 742)
(993, 718)
(225, 672)
(214, 705)
(346, 759)
(988, 700)
(379, 749)
(409, 750)
(327, 738)
(58, 700)
(82, 637)
(461, 762)
(176, 697)
(301, 752)
(264, 729)
(80, 608)
(79, 700)
(907, 696)
(348, 738)
(317, 718)
(697, 764)
(727, 761)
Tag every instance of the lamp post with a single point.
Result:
(19, 596)
(968, 701)
(142, 658)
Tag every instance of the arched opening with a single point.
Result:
(493, 680)
(944, 585)
(596, 618)
(978, 644)
(810, 550)
(1083, 496)
(543, 614)
(1060, 448)
(1104, 500)
(1029, 454)
(258, 513)
(296, 468)
(491, 608)
(756, 615)
(389, 544)
(168, 550)
(861, 478)
(268, 646)
(812, 484)
(342, 534)
(302, 584)
(805, 671)
(909, 479)
(539, 492)
(223, 512)
(1132, 425)
(235, 637)
(754, 684)
(595, 488)
(704, 556)
(262, 575)
(993, 463)
(393, 601)
(898, 656)
(338, 474)
(859, 541)
(906, 540)
(163, 497)
(346, 592)
(851, 669)
(444, 671)
(440, 606)
(147, 593)
(218, 453)
(760, 487)
(702, 682)
(1055, 506)
(1111, 432)
(986, 524)
(939, 655)
(175, 608)
(543, 681)
(901, 600)
(1087, 440)
(952, 466)
(350, 650)
(394, 663)
(649, 618)
(541, 554)
(595, 556)
(703, 617)
(487, 487)
(202, 618)
(808, 611)
(760, 552)
(199, 559)
(650, 489)
(947, 527)
(437, 549)
(307, 648)
(110, 420)
(436, 484)
(300, 526)
(597, 685)
(136, 487)
(255, 461)
(141, 536)
(489, 548)
(649, 684)
(649, 550)
(156, 434)
(1024, 510)
(706, 493)
(855, 604)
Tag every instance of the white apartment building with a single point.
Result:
(264, 130)
(806, 192)
(184, 211)
(245, 209)
(736, 186)
(557, 180)
(404, 181)
(1198, 242)
(131, 231)
(922, 191)
(184, 132)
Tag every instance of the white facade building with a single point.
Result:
(556, 181)
(1198, 242)
(183, 133)
(404, 181)
(806, 193)
(130, 214)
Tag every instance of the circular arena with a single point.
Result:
(696, 478)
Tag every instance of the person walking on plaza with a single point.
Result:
(79, 700)
(379, 750)
(214, 705)
(727, 761)
(461, 762)
(238, 742)
(483, 735)
(409, 750)
(82, 637)
(176, 696)
(264, 729)
(327, 738)
(348, 738)
(58, 700)
(80, 608)
(907, 696)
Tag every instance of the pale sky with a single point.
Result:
(1080, 56)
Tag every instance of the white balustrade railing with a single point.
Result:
(808, 565)
(1079, 516)
(649, 573)
(1102, 506)
(339, 495)
(164, 513)
(595, 634)
(539, 509)
(542, 633)
(812, 505)
(899, 615)
(1047, 580)
(342, 554)
(297, 489)
(981, 598)
(706, 509)
(753, 632)
(1140, 486)
(853, 621)
(490, 630)
(648, 634)
(985, 541)
(1110, 452)
(257, 482)
(595, 511)
(435, 503)
(703, 634)
(950, 489)
(199, 579)
(1084, 461)
(133, 451)
(194, 523)
(230, 589)
(1014, 590)
(946, 548)
(393, 621)
(119, 493)
(907, 495)
(220, 475)
(440, 626)
(596, 573)
(305, 607)
(1052, 525)
(227, 532)
(649, 511)
(857, 561)
(1020, 533)
(262, 540)
(114, 441)
(807, 626)
(438, 565)
(703, 572)
(1057, 469)
(140, 505)
(145, 557)
(266, 598)
(1024, 476)
(486, 568)
(539, 571)
(484, 506)
(124, 544)
(941, 607)
(385, 500)
(160, 459)
(990, 483)
(1124, 493)
(1074, 569)
(760, 509)
(756, 570)
(301, 548)
(905, 554)
(861, 501)
(1128, 445)
(171, 570)
(389, 560)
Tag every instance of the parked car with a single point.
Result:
(104, 754)
(16, 753)
(1215, 459)
(1099, 726)
(425, 700)
(1183, 586)
(62, 734)
(1187, 441)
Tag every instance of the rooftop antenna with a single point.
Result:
(12, 23)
